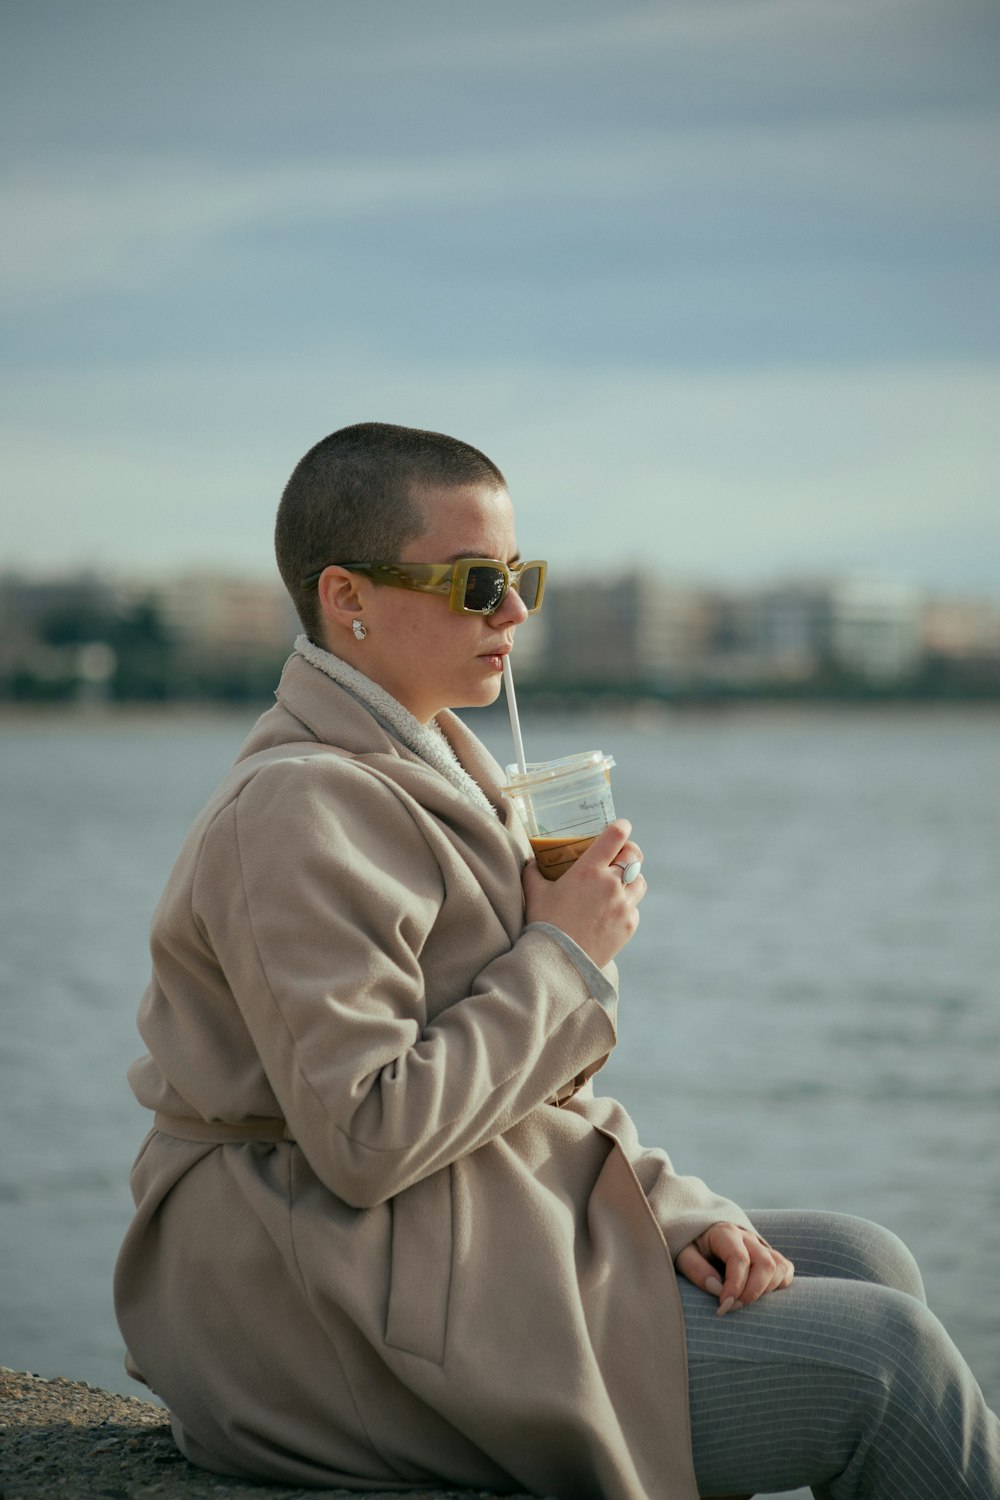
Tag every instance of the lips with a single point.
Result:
(495, 658)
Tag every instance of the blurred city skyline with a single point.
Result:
(714, 281)
(200, 636)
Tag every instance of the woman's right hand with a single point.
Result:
(589, 903)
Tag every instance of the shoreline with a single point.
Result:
(625, 708)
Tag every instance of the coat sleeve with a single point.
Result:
(319, 934)
(683, 1206)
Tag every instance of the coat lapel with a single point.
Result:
(493, 846)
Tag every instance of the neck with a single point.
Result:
(425, 740)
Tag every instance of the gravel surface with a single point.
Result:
(64, 1440)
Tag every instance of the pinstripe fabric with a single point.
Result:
(844, 1381)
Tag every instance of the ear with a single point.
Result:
(339, 600)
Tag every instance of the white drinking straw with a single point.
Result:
(515, 723)
(515, 729)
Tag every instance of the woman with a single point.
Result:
(385, 1233)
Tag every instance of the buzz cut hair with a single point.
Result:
(355, 497)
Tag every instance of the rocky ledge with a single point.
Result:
(64, 1440)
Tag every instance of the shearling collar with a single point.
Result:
(425, 740)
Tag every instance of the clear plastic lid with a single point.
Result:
(540, 771)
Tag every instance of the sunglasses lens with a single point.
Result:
(528, 586)
(484, 590)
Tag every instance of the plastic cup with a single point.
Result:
(564, 804)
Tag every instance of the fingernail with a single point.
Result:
(713, 1285)
(725, 1306)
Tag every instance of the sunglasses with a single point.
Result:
(474, 585)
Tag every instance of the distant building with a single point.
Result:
(876, 629)
(53, 632)
(779, 634)
(631, 632)
(531, 645)
(793, 628)
(962, 629)
(589, 634)
(676, 625)
(638, 632)
(223, 615)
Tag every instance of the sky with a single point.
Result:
(715, 282)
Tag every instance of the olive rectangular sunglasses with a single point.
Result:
(474, 585)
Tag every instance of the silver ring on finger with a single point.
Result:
(630, 871)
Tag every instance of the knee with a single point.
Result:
(860, 1250)
(917, 1400)
(909, 1352)
(887, 1260)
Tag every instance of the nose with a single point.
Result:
(511, 610)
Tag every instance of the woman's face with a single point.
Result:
(418, 649)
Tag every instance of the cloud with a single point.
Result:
(144, 142)
(266, 72)
(121, 221)
(904, 187)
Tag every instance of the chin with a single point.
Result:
(483, 695)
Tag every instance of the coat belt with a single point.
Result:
(221, 1132)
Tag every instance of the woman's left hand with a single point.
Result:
(735, 1265)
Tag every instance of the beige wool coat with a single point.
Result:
(384, 1233)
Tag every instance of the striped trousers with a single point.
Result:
(844, 1381)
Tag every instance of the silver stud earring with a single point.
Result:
(359, 630)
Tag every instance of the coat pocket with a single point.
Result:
(420, 1275)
